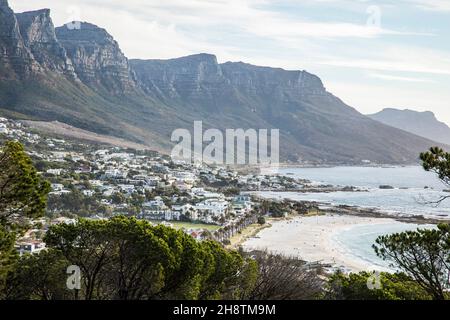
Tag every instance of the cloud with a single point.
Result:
(433, 5)
(390, 77)
(398, 58)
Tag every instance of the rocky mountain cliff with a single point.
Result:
(315, 125)
(424, 124)
(16, 60)
(78, 75)
(38, 33)
(97, 58)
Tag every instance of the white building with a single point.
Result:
(56, 172)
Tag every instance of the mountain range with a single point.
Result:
(78, 75)
(424, 124)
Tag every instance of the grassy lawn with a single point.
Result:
(188, 225)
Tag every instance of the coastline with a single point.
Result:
(356, 211)
(342, 233)
(253, 230)
(313, 239)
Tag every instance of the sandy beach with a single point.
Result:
(313, 239)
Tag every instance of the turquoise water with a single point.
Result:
(358, 241)
(410, 197)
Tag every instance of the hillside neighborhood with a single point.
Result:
(100, 181)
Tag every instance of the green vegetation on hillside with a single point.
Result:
(22, 195)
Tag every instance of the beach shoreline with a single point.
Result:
(313, 239)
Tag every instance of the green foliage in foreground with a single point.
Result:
(23, 191)
(424, 255)
(391, 287)
(438, 161)
(129, 259)
(23, 194)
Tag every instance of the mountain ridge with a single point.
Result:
(145, 100)
(424, 124)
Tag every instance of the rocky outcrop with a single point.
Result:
(192, 76)
(38, 33)
(196, 76)
(16, 60)
(97, 58)
(256, 80)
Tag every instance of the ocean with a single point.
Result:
(413, 194)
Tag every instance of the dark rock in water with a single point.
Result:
(386, 187)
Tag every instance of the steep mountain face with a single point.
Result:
(314, 125)
(97, 58)
(38, 33)
(184, 78)
(79, 76)
(424, 124)
(278, 82)
(16, 60)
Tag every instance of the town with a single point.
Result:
(99, 181)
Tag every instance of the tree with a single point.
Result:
(227, 274)
(424, 255)
(22, 191)
(129, 259)
(38, 277)
(354, 286)
(118, 198)
(437, 161)
(281, 278)
(261, 220)
(23, 194)
(115, 256)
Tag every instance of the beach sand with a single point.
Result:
(311, 239)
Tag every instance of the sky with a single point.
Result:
(371, 54)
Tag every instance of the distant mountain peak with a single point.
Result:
(44, 12)
(84, 31)
(201, 57)
(17, 59)
(422, 123)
